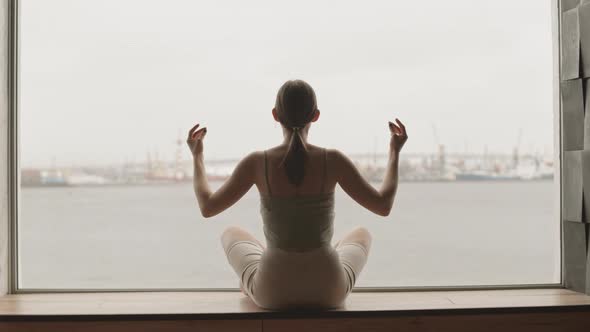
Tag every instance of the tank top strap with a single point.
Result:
(266, 174)
(325, 170)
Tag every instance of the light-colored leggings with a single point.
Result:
(277, 279)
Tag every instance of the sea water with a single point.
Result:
(153, 236)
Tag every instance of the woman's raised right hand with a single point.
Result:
(195, 140)
(399, 136)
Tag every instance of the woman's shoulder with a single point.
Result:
(335, 155)
(251, 160)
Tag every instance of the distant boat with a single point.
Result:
(85, 179)
(53, 181)
(483, 176)
(52, 178)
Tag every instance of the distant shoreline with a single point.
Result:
(175, 183)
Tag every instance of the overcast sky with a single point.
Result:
(107, 81)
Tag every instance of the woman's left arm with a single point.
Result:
(238, 184)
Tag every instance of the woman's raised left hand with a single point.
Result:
(195, 140)
(399, 136)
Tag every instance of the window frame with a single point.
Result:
(13, 179)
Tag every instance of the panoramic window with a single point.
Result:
(108, 90)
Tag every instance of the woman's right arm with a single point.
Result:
(352, 182)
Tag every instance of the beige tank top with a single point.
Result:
(297, 223)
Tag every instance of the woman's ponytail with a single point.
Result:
(294, 159)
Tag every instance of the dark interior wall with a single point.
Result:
(575, 140)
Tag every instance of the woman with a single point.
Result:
(299, 268)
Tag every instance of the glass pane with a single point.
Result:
(109, 88)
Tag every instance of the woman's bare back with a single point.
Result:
(315, 175)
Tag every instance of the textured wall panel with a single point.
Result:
(588, 259)
(572, 106)
(586, 184)
(570, 45)
(569, 4)
(584, 21)
(587, 116)
(572, 186)
(575, 129)
(575, 258)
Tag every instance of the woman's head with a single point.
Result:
(296, 104)
(295, 108)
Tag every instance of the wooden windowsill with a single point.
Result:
(230, 305)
